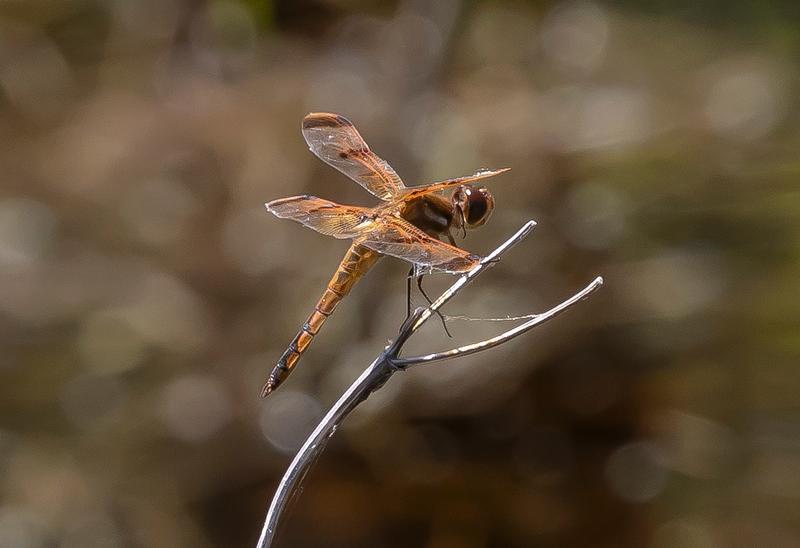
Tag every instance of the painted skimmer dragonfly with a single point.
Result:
(407, 225)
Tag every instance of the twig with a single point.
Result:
(385, 365)
(466, 350)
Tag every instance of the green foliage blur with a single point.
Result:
(145, 293)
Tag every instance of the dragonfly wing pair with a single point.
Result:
(386, 234)
(336, 141)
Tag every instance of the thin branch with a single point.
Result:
(404, 363)
(372, 378)
(383, 367)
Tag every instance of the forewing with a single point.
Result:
(441, 185)
(336, 142)
(324, 216)
(391, 235)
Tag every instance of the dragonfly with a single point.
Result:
(408, 224)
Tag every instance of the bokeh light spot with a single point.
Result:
(635, 472)
(109, 343)
(289, 419)
(743, 105)
(194, 407)
(574, 36)
(27, 228)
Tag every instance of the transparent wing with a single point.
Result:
(325, 217)
(336, 142)
(391, 235)
(441, 185)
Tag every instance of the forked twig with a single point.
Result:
(386, 364)
(466, 350)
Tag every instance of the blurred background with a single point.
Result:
(145, 293)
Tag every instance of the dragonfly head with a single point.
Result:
(473, 205)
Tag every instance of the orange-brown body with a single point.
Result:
(430, 213)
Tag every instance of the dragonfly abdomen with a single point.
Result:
(354, 265)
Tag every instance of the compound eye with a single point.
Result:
(480, 204)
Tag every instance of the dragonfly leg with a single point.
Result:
(419, 285)
(408, 292)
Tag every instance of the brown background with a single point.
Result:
(145, 293)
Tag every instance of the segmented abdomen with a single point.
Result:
(354, 265)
